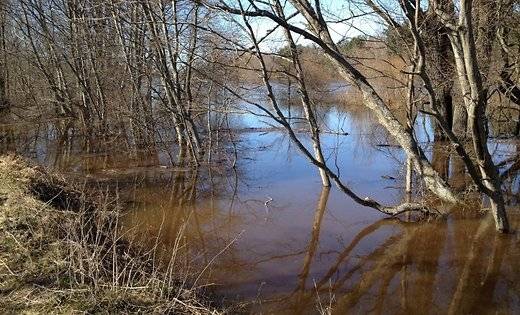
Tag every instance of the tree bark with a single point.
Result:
(305, 99)
(475, 99)
(4, 103)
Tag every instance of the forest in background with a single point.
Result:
(169, 69)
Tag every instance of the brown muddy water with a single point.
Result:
(267, 234)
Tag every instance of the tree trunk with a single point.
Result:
(441, 158)
(475, 99)
(318, 32)
(306, 102)
(460, 121)
(446, 111)
(4, 103)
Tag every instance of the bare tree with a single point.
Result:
(462, 41)
(305, 99)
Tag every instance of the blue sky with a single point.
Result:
(333, 10)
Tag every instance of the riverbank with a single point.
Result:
(60, 252)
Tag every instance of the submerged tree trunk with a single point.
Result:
(475, 99)
(305, 99)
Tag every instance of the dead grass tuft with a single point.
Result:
(60, 252)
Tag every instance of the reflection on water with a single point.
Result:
(290, 245)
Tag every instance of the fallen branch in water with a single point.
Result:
(409, 207)
(390, 210)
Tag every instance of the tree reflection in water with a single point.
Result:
(292, 256)
(446, 266)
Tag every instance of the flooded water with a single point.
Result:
(266, 233)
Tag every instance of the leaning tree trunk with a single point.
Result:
(374, 102)
(317, 31)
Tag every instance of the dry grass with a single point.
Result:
(61, 253)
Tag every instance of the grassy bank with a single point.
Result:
(60, 253)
